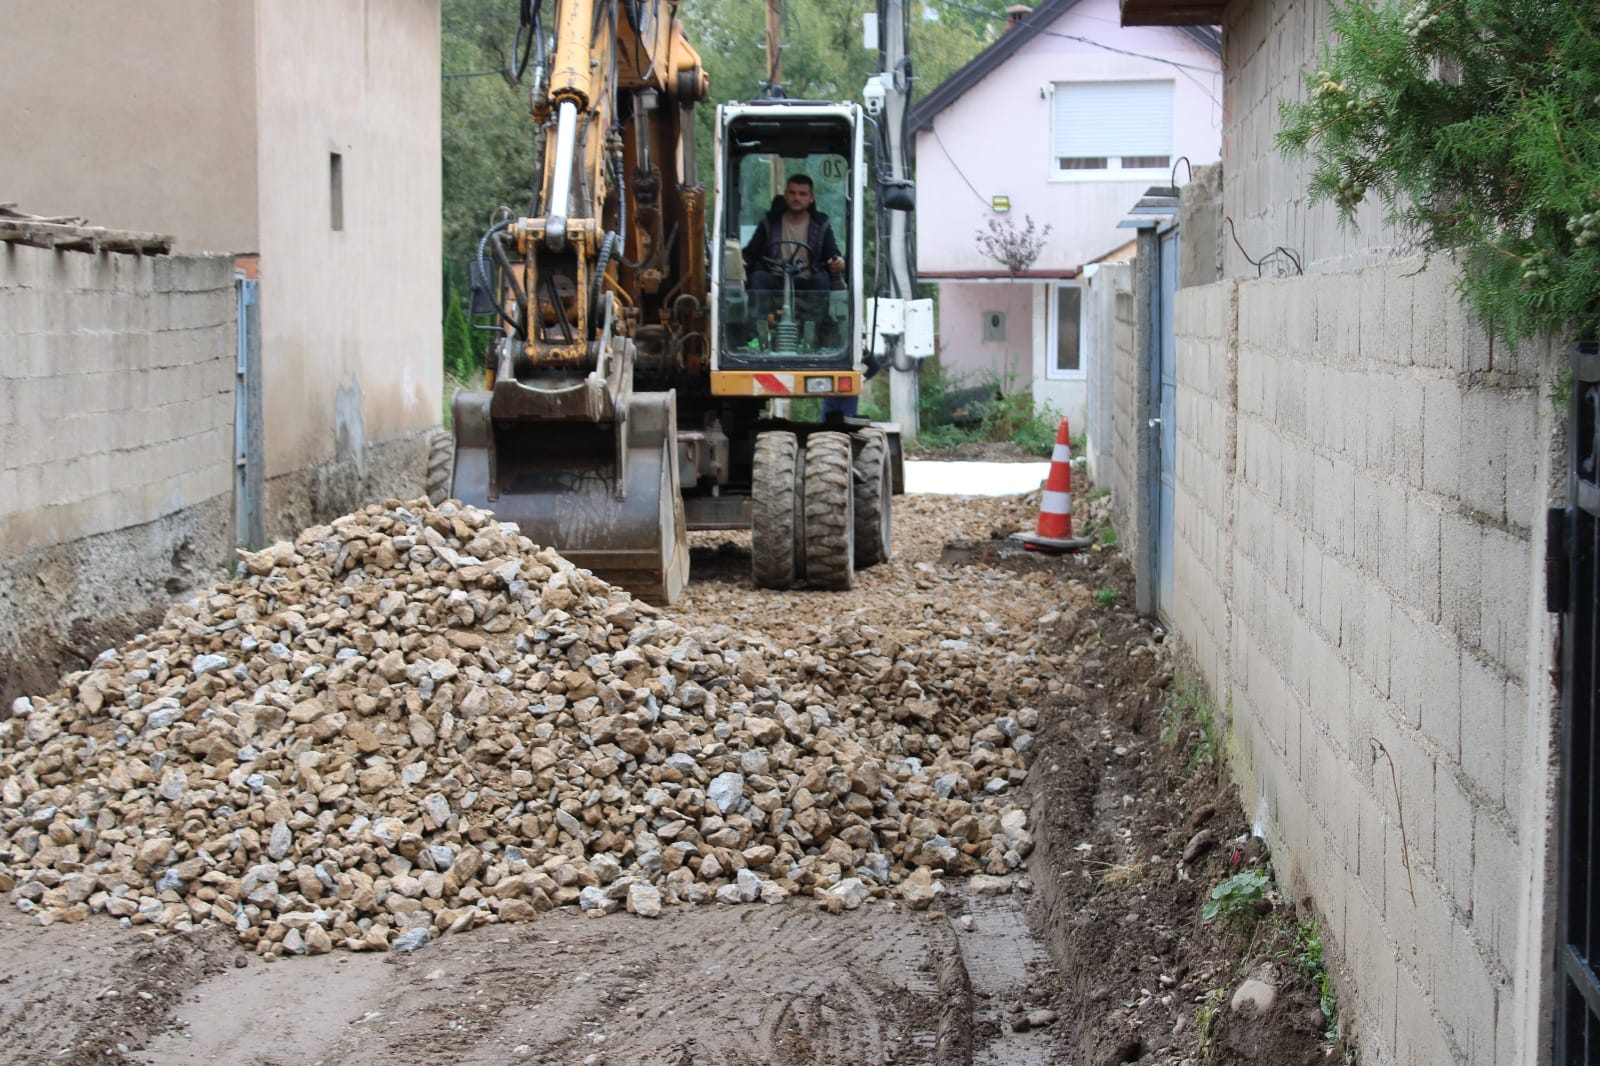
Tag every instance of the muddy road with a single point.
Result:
(1056, 921)
(769, 982)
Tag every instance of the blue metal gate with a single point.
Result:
(248, 476)
(1165, 394)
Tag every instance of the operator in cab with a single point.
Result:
(794, 238)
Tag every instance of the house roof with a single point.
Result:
(1030, 26)
(1172, 12)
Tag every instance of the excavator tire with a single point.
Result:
(874, 490)
(772, 533)
(829, 508)
(441, 454)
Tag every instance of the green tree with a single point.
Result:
(487, 136)
(458, 355)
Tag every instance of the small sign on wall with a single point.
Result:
(994, 325)
(1000, 204)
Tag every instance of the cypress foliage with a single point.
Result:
(458, 360)
(1477, 123)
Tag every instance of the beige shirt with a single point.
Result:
(796, 231)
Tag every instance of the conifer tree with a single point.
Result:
(1477, 124)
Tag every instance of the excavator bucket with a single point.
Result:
(603, 493)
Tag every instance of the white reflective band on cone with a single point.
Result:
(1056, 503)
(1061, 454)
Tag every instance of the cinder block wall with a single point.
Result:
(1101, 293)
(1123, 403)
(1205, 322)
(1362, 478)
(116, 423)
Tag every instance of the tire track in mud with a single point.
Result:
(782, 984)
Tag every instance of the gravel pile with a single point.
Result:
(414, 721)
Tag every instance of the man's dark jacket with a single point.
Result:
(769, 231)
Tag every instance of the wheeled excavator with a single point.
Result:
(628, 387)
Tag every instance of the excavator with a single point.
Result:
(630, 385)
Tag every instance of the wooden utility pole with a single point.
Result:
(774, 46)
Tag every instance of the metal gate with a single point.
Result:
(1573, 590)
(249, 528)
(1155, 399)
(1165, 395)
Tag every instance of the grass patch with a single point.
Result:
(1205, 1020)
(1190, 716)
(1308, 956)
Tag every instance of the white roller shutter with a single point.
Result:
(1111, 119)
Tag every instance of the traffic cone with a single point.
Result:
(1054, 531)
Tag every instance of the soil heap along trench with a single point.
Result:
(414, 721)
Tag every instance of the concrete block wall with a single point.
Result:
(1205, 323)
(1362, 477)
(1107, 282)
(1124, 405)
(116, 441)
(1265, 48)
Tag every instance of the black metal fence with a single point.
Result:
(1574, 591)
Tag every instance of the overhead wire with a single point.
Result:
(933, 129)
(1081, 40)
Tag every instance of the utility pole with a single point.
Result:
(774, 47)
(894, 62)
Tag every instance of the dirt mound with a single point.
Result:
(1140, 830)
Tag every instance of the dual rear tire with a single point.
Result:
(821, 510)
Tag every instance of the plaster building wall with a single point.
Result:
(1362, 477)
(964, 309)
(116, 446)
(996, 141)
(103, 122)
(350, 306)
(222, 121)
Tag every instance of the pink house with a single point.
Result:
(1066, 120)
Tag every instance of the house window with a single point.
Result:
(336, 190)
(1104, 129)
(1065, 331)
(994, 325)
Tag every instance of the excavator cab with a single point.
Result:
(777, 307)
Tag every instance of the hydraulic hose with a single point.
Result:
(611, 240)
(516, 288)
(481, 267)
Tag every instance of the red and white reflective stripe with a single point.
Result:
(1056, 503)
(772, 383)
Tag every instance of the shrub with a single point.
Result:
(1235, 899)
(1473, 121)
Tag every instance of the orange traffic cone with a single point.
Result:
(1054, 531)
